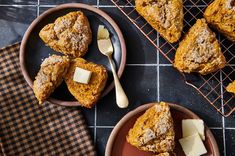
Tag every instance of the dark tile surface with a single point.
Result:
(173, 89)
(218, 133)
(140, 86)
(139, 81)
(19, 2)
(101, 140)
(13, 23)
(230, 140)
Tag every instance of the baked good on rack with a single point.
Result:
(231, 87)
(166, 154)
(165, 16)
(50, 76)
(86, 94)
(221, 15)
(69, 34)
(199, 51)
(154, 130)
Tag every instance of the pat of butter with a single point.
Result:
(103, 33)
(82, 75)
(193, 145)
(192, 126)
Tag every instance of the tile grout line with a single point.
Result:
(222, 118)
(158, 72)
(95, 116)
(38, 8)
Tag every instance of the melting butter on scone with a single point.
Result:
(220, 14)
(69, 34)
(50, 76)
(165, 16)
(154, 130)
(199, 51)
(82, 75)
(86, 94)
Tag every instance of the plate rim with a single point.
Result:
(144, 107)
(58, 8)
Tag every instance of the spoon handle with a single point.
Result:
(121, 98)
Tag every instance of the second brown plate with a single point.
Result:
(118, 146)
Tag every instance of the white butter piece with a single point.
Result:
(192, 126)
(103, 33)
(82, 75)
(193, 145)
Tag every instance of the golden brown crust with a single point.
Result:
(50, 76)
(199, 51)
(154, 130)
(221, 15)
(165, 16)
(231, 87)
(69, 34)
(86, 94)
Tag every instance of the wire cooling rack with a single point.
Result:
(212, 86)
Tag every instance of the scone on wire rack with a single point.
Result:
(165, 16)
(199, 51)
(50, 76)
(86, 94)
(154, 130)
(231, 87)
(69, 34)
(220, 14)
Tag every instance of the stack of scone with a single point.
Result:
(199, 51)
(70, 35)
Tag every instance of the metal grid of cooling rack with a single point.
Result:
(212, 86)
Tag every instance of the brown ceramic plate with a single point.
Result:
(33, 50)
(118, 146)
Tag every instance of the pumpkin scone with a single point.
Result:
(86, 94)
(220, 14)
(199, 51)
(69, 34)
(50, 76)
(231, 87)
(165, 16)
(154, 130)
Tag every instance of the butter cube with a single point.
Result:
(82, 75)
(193, 145)
(103, 33)
(192, 126)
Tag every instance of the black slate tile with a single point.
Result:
(230, 142)
(101, 140)
(139, 49)
(89, 115)
(140, 85)
(21, 2)
(55, 2)
(230, 121)
(174, 89)
(106, 2)
(14, 21)
(91, 133)
(218, 134)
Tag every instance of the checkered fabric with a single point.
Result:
(27, 128)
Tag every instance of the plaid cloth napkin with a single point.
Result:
(27, 128)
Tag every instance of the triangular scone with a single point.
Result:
(50, 76)
(154, 130)
(199, 51)
(165, 16)
(86, 94)
(221, 15)
(231, 87)
(69, 34)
